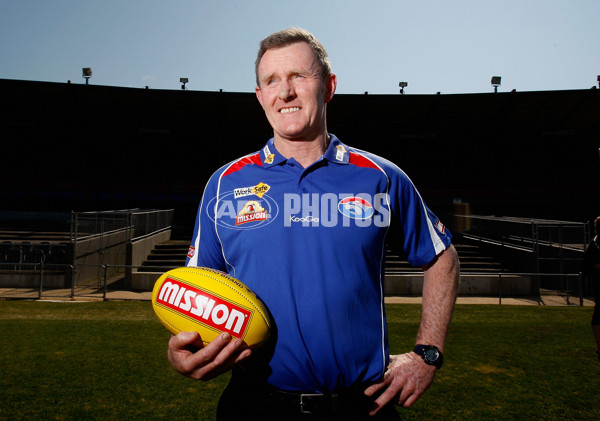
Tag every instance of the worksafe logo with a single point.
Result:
(259, 190)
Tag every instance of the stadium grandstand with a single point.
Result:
(512, 174)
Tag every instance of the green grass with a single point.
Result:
(107, 360)
(507, 362)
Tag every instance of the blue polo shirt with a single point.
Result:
(311, 243)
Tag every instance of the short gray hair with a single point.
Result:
(291, 36)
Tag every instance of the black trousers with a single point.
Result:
(248, 400)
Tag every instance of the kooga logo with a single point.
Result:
(210, 310)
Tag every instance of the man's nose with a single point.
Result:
(286, 90)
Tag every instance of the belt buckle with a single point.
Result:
(308, 396)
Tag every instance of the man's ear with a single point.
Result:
(330, 85)
(259, 95)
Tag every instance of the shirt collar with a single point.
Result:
(270, 156)
(336, 152)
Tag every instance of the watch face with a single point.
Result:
(431, 355)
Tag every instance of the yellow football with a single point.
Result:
(210, 302)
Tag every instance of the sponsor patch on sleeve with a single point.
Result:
(440, 227)
(191, 252)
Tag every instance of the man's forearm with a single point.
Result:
(407, 377)
(440, 288)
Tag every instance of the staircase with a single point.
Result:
(173, 253)
(479, 275)
(472, 259)
(166, 255)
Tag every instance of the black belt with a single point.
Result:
(351, 400)
(309, 403)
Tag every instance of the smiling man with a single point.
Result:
(303, 222)
(294, 91)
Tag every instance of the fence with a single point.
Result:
(135, 222)
(525, 233)
(101, 239)
(93, 247)
(57, 282)
(545, 245)
(93, 264)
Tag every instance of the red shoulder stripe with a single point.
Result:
(362, 161)
(247, 160)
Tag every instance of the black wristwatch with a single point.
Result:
(430, 354)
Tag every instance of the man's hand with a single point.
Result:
(406, 378)
(219, 356)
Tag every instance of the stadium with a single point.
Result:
(99, 198)
(514, 175)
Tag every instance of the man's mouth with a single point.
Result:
(289, 110)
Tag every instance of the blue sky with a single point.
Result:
(437, 45)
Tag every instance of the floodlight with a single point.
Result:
(183, 81)
(402, 86)
(496, 81)
(87, 74)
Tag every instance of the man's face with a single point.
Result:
(293, 93)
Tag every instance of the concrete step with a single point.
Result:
(171, 253)
(472, 259)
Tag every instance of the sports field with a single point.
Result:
(107, 361)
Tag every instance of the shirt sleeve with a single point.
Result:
(422, 235)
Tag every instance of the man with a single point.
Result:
(303, 222)
(591, 269)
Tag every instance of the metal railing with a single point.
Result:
(525, 233)
(102, 238)
(40, 281)
(137, 223)
(94, 249)
(547, 245)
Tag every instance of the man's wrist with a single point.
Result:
(430, 354)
